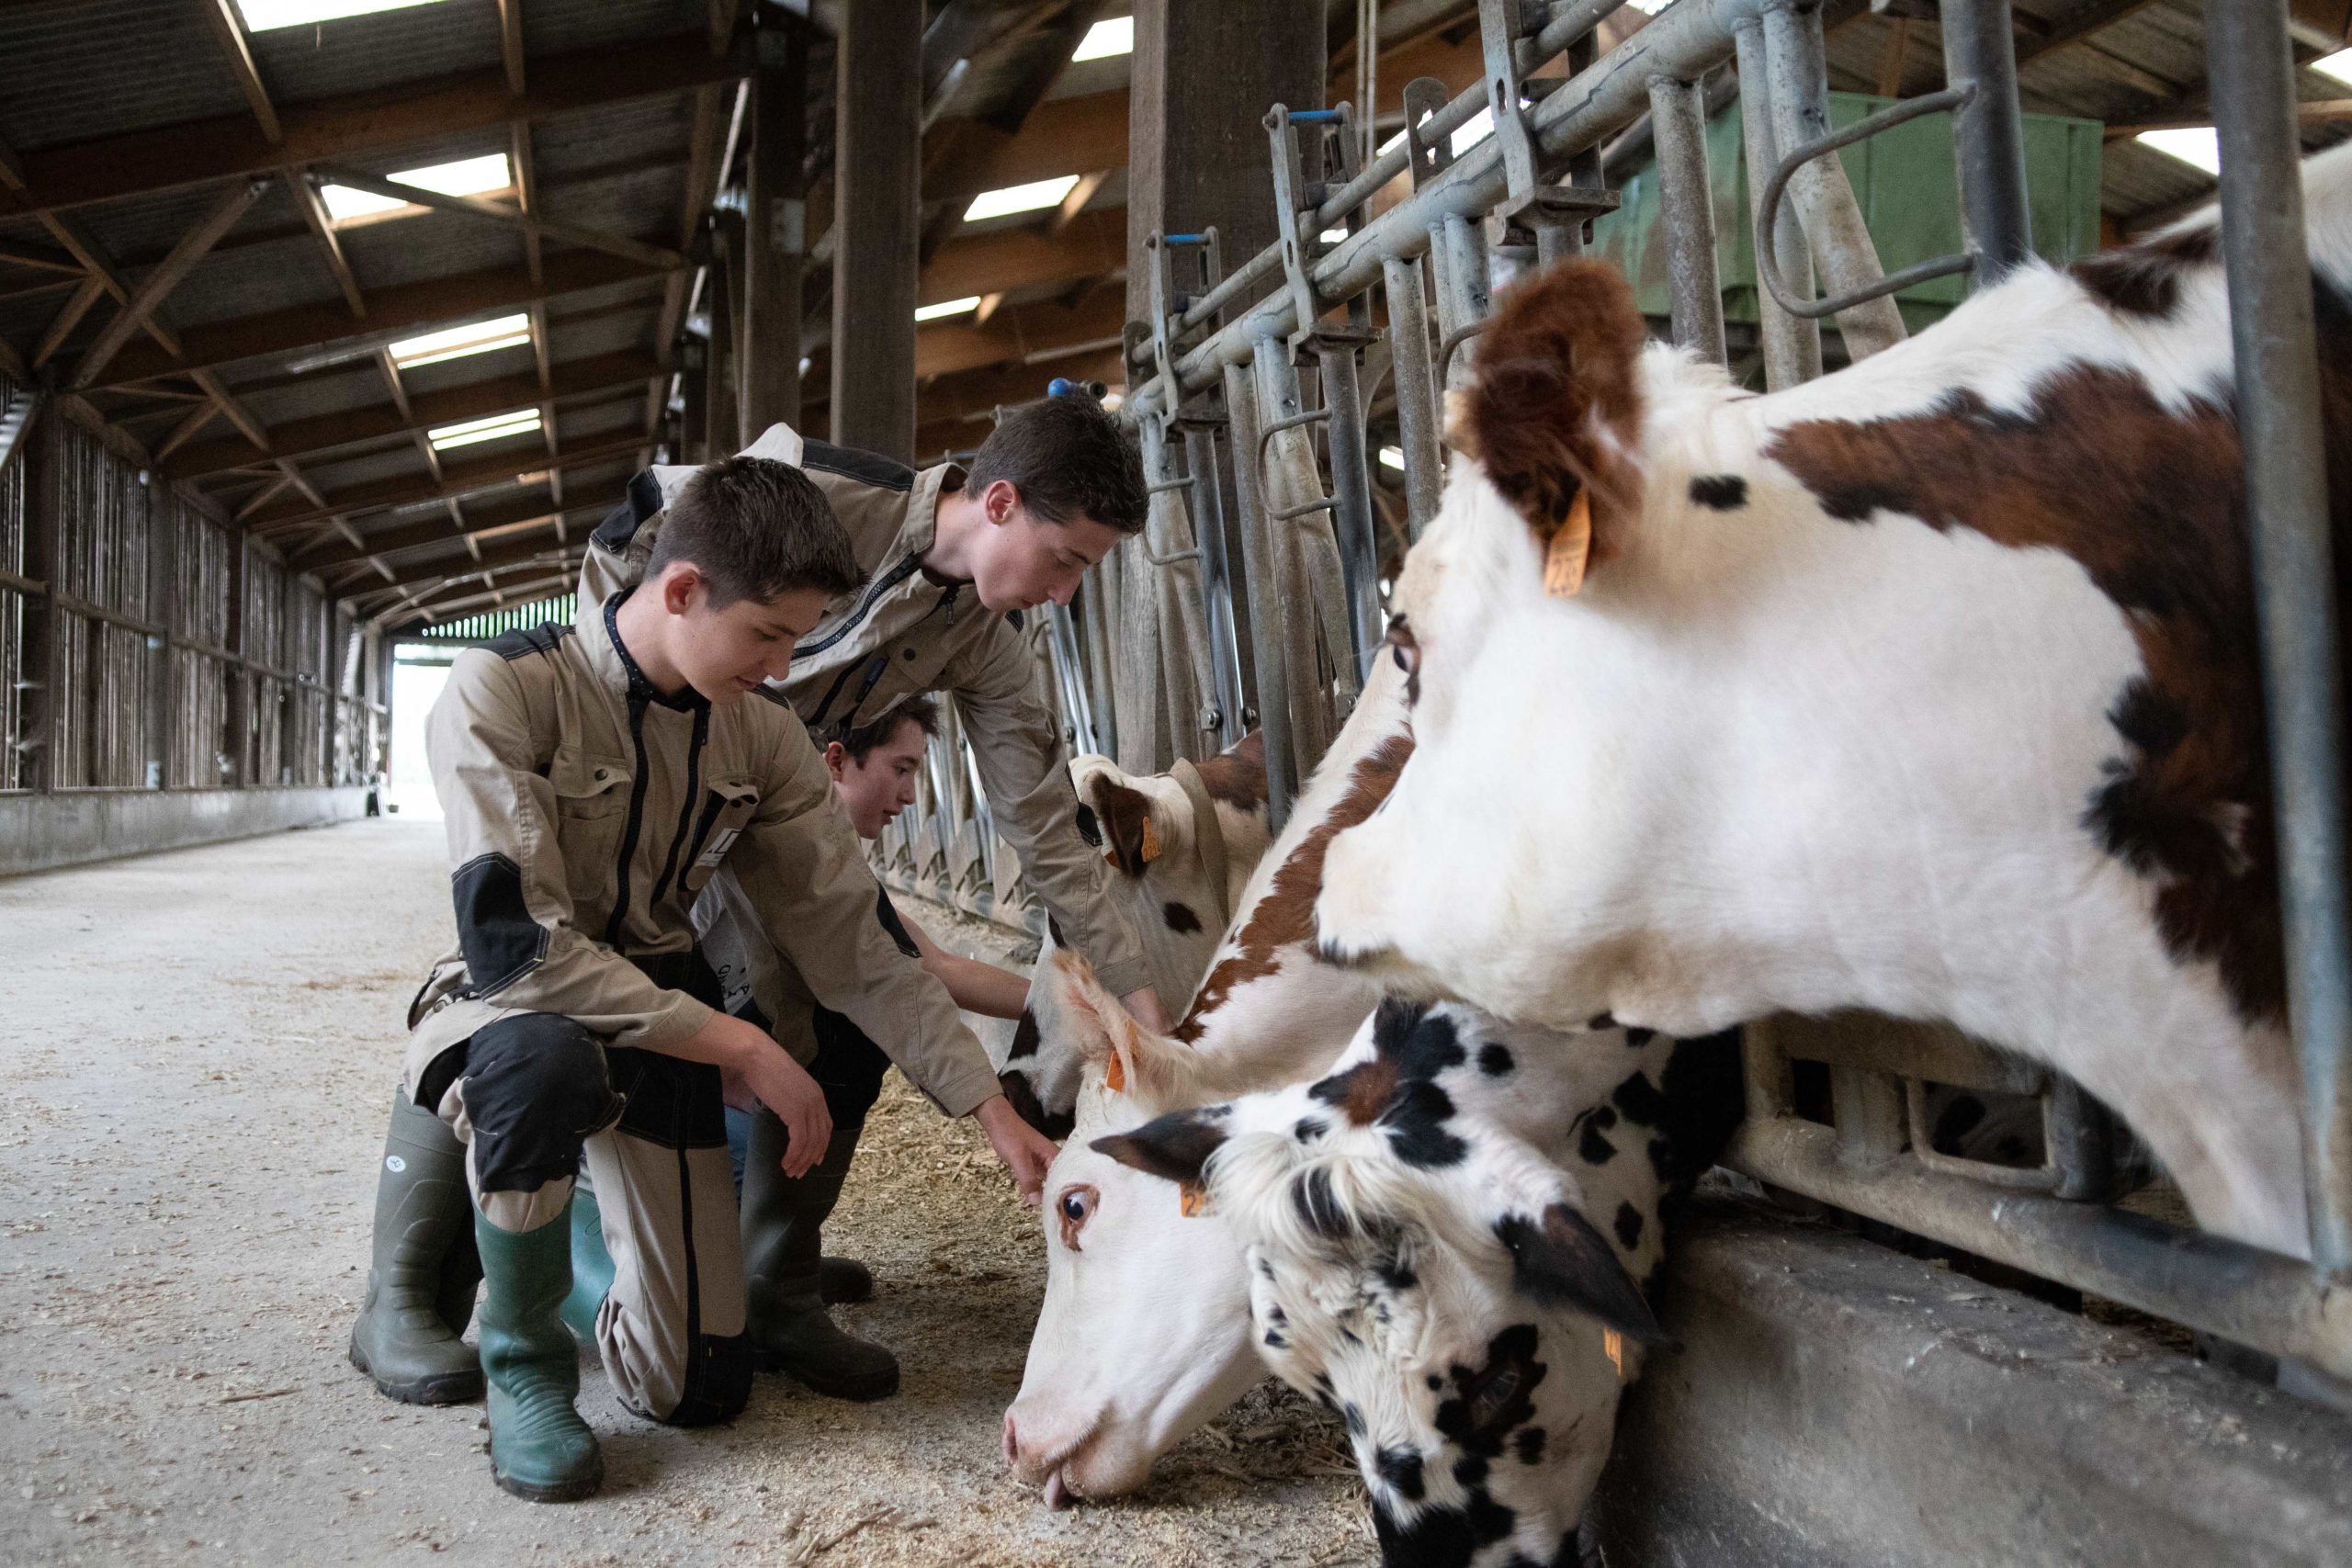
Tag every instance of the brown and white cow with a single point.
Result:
(1931, 687)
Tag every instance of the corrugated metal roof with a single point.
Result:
(75, 72)
(556, 27)
(354, 54)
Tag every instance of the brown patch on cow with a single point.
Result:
(1125, 817)
(2143, 279)
(1286, 916)
(1237, 775)
(1365, 1090)
(1558, 380)
(2153, 505)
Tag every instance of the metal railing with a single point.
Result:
(1235, 371)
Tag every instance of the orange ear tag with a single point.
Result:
(1115, 1075)
(1564, 558)
(1612, 1344)
(1150, 842)
(1191, 1197)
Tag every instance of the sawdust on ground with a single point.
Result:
(195, 1054)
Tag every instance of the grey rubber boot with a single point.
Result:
(782, 1266)
(539, 1448)
(421, 1279)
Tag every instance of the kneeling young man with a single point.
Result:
(594, 777)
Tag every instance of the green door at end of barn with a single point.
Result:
(1908, 188)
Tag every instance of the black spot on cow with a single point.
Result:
(1601, 1020)
(1491, 1400)
(1317, 1205)
(2145, 279)
(1180, 917)
(1401, 1468)
(1026, 1038)
(1022, 1097)
(1393, 1271)
(1528, 1443)
(1495, 1060)
(1722, 493)
(1416, 1120)
(1637, 1038)
(1629, 1227)
(1274, 1313)
(1640, 1100)
(1393, 1021)
(1309, 1128)
(1431, 1047)
(1436, 1382)
(1591, 1147)
(1274, 1341)
(1470, 1471)
(1440, 1538)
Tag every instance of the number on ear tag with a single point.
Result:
(1564, 558)
(1191, 1198)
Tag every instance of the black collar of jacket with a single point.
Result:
(687, 700)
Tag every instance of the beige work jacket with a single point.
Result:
(585, 814)
(904, 633)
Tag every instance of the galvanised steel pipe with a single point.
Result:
(1688, 39)
(1989, 132)
(1687, 212)
(2286, 482)
(1417, 422)
(1267, 631)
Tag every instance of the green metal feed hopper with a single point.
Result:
(1909, 195)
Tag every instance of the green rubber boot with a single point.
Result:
(421, 1280)
(539, 1448)
(782, 1266)
(592, 1268)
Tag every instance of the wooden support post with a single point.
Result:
(237, 718)
(163, 608)
(42, 558)
(775, 233)
(722, 426)
(877, 222)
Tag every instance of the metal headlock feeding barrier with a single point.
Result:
(1255, 597)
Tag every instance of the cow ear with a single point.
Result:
(1554, 417)
(1560, 1260)
(1123, 817)
(1132, 1059)
(1174, 1148)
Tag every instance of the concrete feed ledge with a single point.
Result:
(1839, 1406)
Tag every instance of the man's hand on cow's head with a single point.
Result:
(1143, 1007)
(1025, 1151)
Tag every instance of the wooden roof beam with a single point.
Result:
(458, 480)
(497, 212)
(510, 44)
(153, 289)
(393, 313)
(360, 124)
(315, 217)
(411, 411)
(237, 50)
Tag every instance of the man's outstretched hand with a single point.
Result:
(1025, 1151)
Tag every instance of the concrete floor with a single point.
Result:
(199, 1048)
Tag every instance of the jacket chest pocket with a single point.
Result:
(727, 808)
(591, 810)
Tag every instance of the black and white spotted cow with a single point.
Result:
(1449, 1241)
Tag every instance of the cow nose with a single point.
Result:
(1012, 1442)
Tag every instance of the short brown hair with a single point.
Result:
(1068, 458)
(861, 740)
(756, 529)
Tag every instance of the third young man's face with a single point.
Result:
(730, 653)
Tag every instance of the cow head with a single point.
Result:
(1145, 1331)
(1174, 890)
(1423, 1269)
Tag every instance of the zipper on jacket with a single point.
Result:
(636, 821)
(686, 807)
(881, 585)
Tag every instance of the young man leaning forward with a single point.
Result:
(594, 777)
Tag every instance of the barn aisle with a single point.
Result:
(196, 1049)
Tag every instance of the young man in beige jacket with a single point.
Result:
(595, 778)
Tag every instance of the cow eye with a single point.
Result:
(1073, 1208)
(1403, 647)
